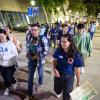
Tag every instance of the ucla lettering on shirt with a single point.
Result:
(3, 49)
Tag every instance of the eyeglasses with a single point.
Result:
(35, 30)
(64, 42)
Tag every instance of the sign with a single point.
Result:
(32, 11)
(85, 92)
(35, 10)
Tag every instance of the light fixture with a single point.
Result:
(58, 8)
(32, 2)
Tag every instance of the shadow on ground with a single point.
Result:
(21, 92)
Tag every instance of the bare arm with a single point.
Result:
(77, 73)
(56, 73)
(15, 40)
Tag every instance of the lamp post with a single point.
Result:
(30, 12)
(58, 9)
(32, 2)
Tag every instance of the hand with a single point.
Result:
(34, 57)
(56, 73)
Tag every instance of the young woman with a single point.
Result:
(10, 36)
(66, 62)
(8, 53)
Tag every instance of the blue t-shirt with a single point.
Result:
(65, 65)
(54, 32)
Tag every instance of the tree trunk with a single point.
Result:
(45, 13)
(64, 12)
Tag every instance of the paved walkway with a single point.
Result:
(92, 73)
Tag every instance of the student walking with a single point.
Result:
(83, 43)
(92, 29)
(37, 51)
(66, 62)
(8, 53)
(61, 32)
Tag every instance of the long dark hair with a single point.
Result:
(72, 48)
(9, 28)
(7, 37)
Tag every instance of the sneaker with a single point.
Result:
(35, 75)
(6, 93)
(82, 70)
(39, 88)
(57, 95)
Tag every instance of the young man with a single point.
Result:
(83, 43)
(92, 29)
(36, 54)
(63, 31)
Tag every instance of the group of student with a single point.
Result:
(68, 58)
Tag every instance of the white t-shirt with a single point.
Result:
(8, 53)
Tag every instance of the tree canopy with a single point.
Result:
(51, 4)
(91, 7)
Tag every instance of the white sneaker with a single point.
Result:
(35, 75)
(57, 95)
(6, 93)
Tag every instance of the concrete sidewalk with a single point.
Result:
(92, 73)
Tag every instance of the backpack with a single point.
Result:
(41, 41)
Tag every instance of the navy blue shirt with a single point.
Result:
(54, 32)
(64, 65)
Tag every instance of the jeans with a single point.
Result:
(91, 35)
(54, 39)
(40, 72)
(32, 67)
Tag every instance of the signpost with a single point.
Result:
(33, 11)
(30, 11)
